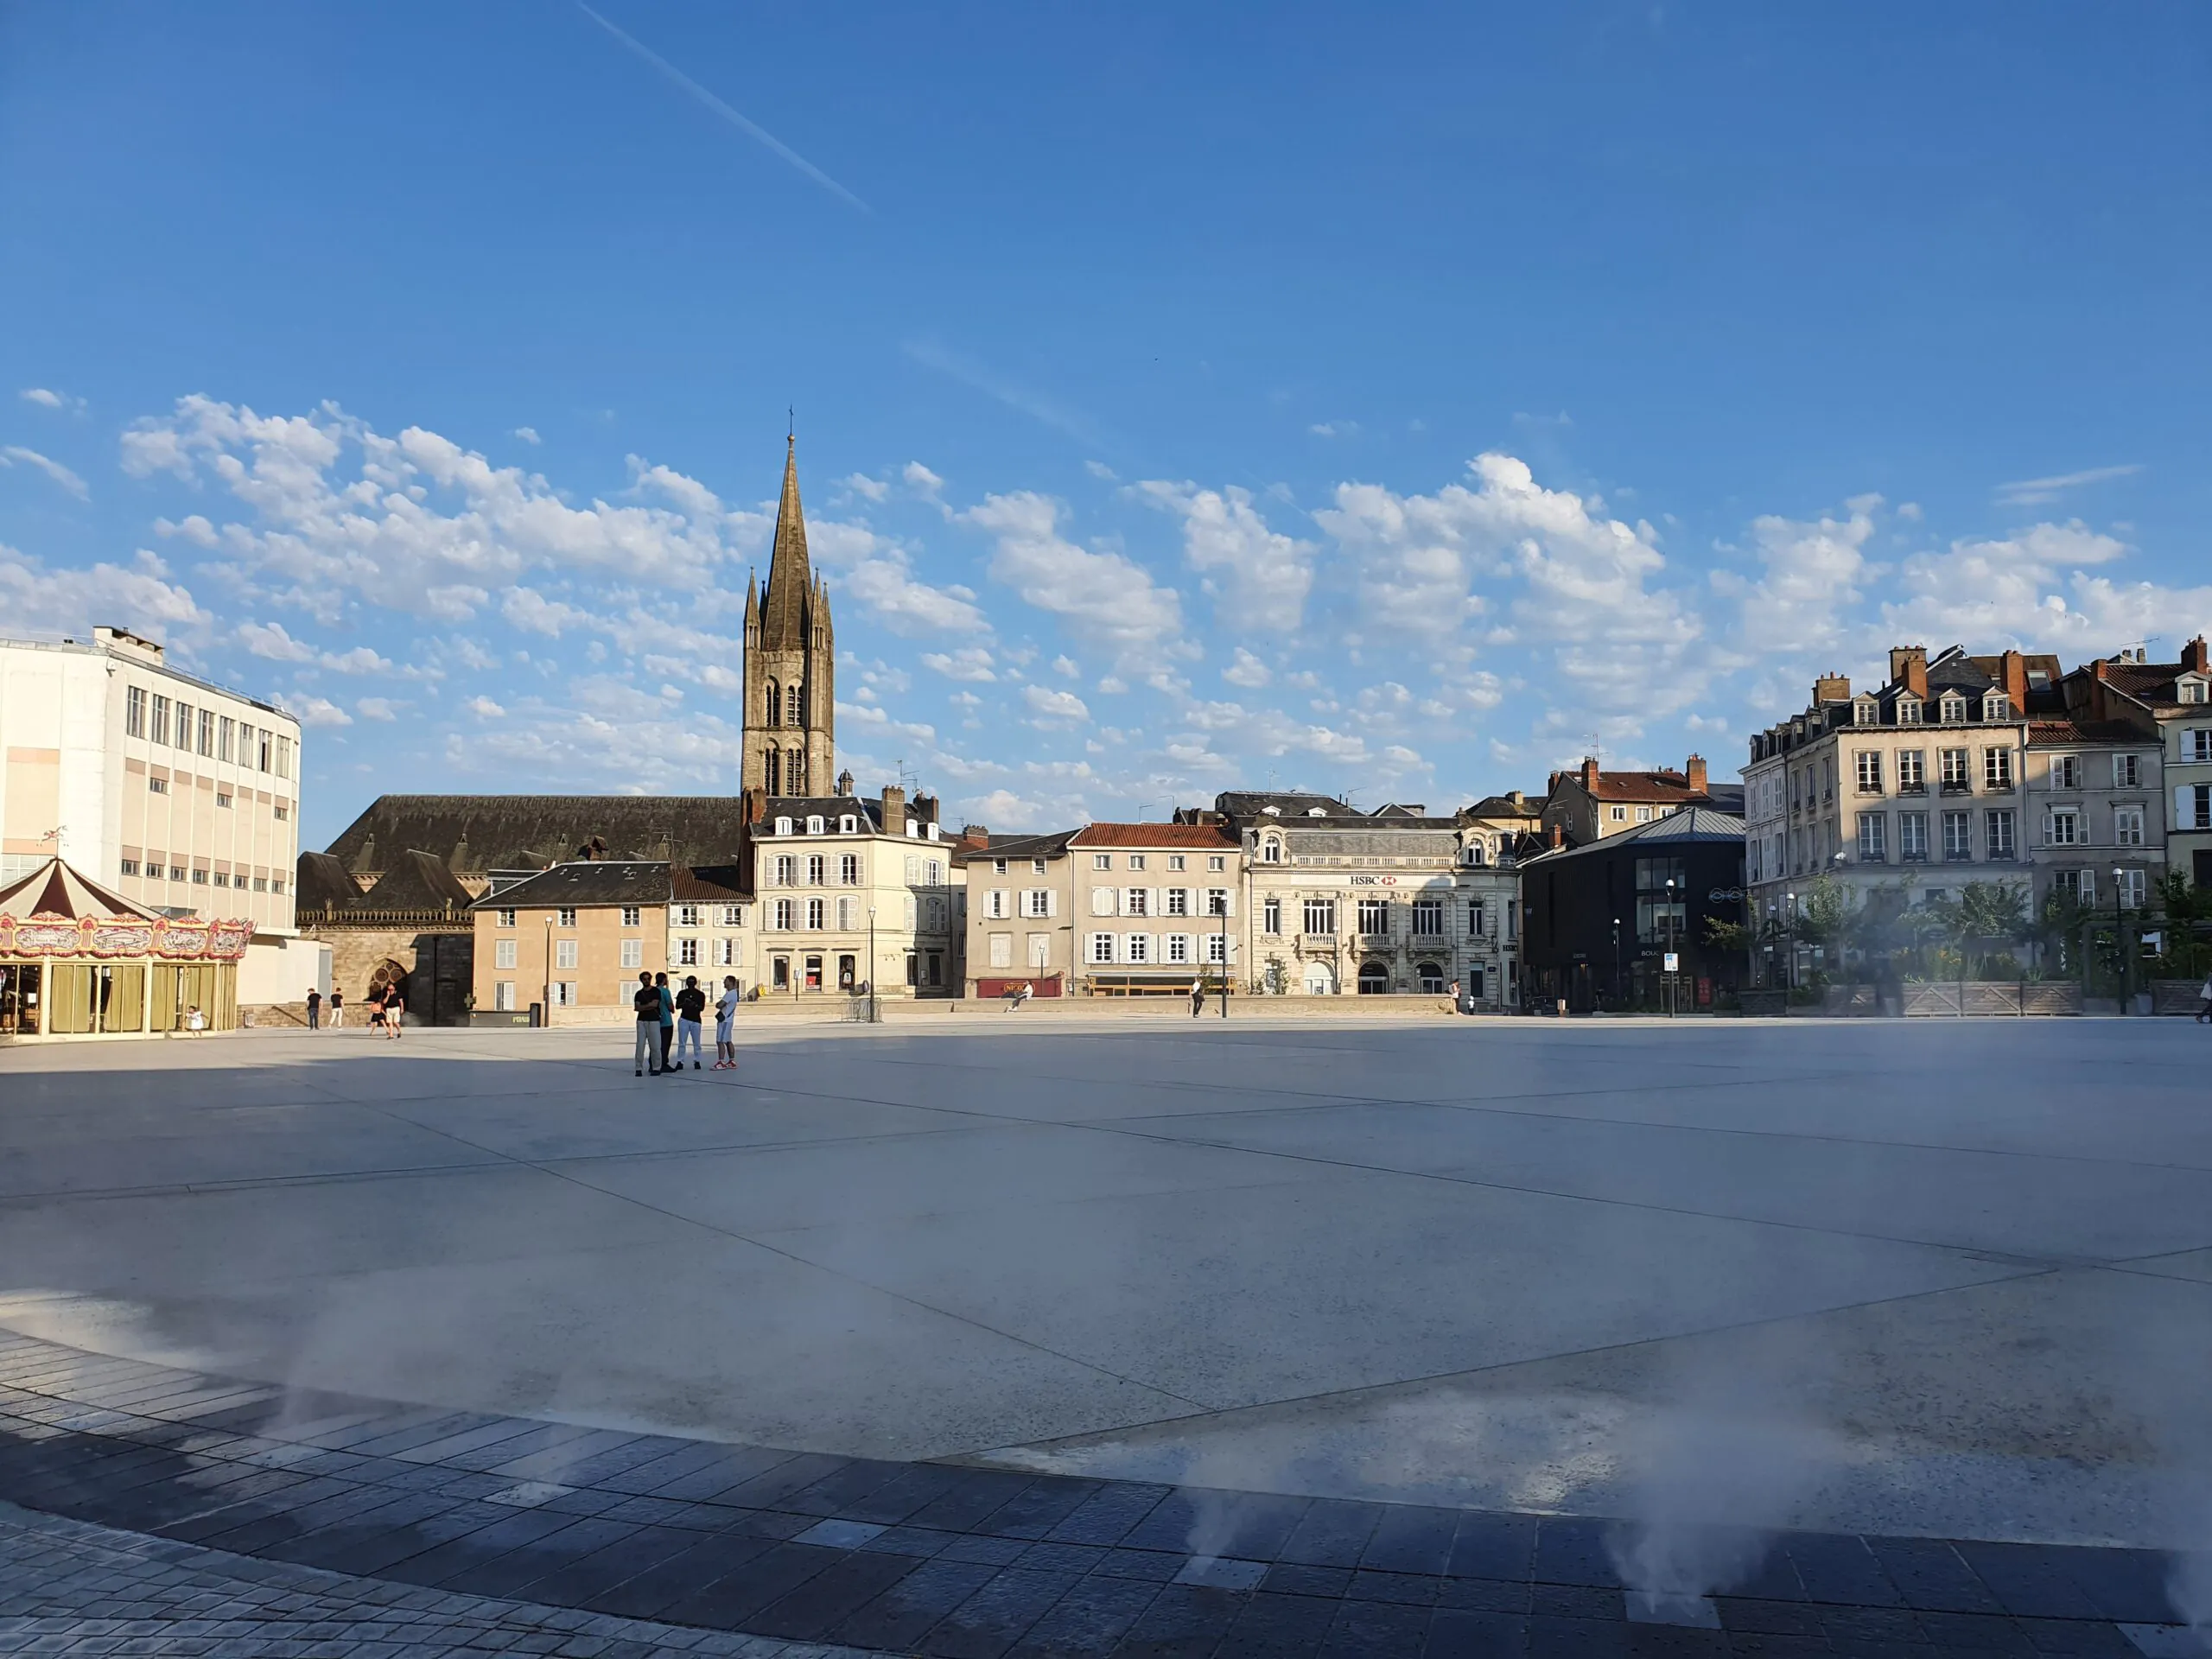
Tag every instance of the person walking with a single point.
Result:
(337, 1009)
(314, 1009)
(395, 1005)
(1453, 992)
(2204, 1002)
(667, 1020)
(376, 1007)
(1197, 997)
(690, 1003)
(646, 1051)
(725, 1026)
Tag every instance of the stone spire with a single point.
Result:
(784, 619)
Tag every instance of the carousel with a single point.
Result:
(77, 960)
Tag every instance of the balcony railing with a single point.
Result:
(1957, 786)
(1913, 788)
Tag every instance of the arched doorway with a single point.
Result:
(1319, 981)
(1432, 978)
(1373, 979)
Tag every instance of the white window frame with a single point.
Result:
(503, 954)
(2127, 826)
(1102, 948)
(633, 954)
(564, 953)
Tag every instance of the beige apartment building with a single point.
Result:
(1908, 790)
(1589, 803)
(1154, 906)
(2171, 701)
(1020, 933)
(181, 795)
(852, 893)
(572, 940)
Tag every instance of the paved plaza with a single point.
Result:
(1945, 1280)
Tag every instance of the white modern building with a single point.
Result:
(180, 795)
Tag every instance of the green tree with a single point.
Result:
(1986, 913)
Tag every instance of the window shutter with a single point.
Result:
(2184, 806)
(1051, 902)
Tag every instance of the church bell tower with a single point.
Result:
(791, 704)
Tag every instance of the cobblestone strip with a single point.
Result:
(69, 1588)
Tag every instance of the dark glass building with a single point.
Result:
(1598, 921)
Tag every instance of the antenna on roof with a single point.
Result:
(1597, 748)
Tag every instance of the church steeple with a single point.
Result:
(791, 699)
(784, 621)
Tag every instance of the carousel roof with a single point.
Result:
(55, 889)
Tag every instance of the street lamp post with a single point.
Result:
(2119, 942)
(1790, 944)
(1619, 1002)
(872, 965)
(1225, 953)
(1665, 971)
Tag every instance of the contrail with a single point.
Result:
(750, 128)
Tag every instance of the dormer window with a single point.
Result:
(1472, 854)
(783, 826)
(1997, 706)
(1954, 711)
(1908, 711)
(1863, 713)
(814, 825)
(846, 825)
(1317, 812)
(2193, 691)
(1271, 851)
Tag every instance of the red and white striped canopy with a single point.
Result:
(54, 889)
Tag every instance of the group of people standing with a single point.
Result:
(669, 1017)
(387, 1002)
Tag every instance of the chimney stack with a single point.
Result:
(1697, 773)
(2195, 657)
(2016, 680)
(1908, 666)
(1559, 835)
(894, 810)
(1832, 688)
(1590, 773)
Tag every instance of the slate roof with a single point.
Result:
(1205, 837)
(415, 881)
(1050, 844)
(2152, 682)
(868, 808)
(585, 883)
(1692, 823)
(1290, 804)
(475, 833)
(1661, 787)
(321, 882)
(1504, 806)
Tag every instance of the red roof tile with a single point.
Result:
(1209, 837)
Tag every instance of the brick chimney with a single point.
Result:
(1590, 773)
(894, 810)
(1697, 773)
(1909, 664)
(1832, 688)
(1558, 834)
(2015, 667)
(925, 811)
(2195, 657)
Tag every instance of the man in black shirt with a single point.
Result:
(648, 1003)
(690, 1003)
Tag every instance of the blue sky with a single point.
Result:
(1185, 398)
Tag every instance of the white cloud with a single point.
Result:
(1246, 670)
(268, 640)
(878, 571)
(319, 711)
(38, 599)
(1259, 577)
(922, 481)
(1100, 469)
(375, 709)
(533, 612)
(340, 513)
(1105, 597)
(1334, 428)
(1003, 810)
(971, 664)
(875, 489)
(484, 708)
(14, 454)
(359, 660)
(2037, 589)
(46, 398)
(1813, 574)
(1055, 706)
(528, 435)
(1067, 666)
(2035, 492)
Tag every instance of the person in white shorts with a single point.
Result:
(725, 1018)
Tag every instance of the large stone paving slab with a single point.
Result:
(1474, 1258)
